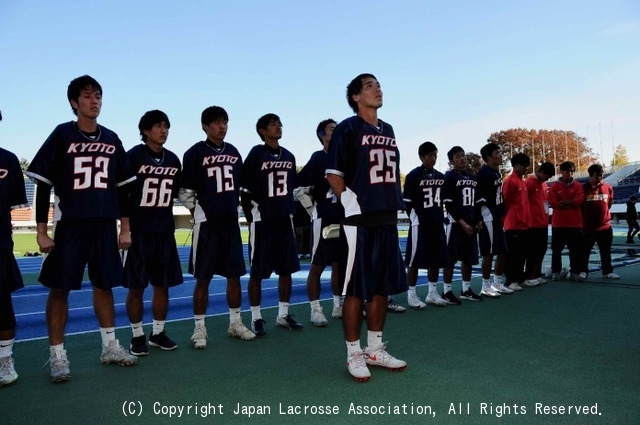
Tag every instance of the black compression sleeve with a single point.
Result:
(43, 195)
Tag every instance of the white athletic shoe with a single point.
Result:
(612, 276)
(488, 291)
(394, 307)
(514, 286)
(237, 330)
(434, 298)
(378, 356)
(8, 373)
(199, 337)
(357, 367)
(114, 353)
(501, 289)
(337, 311)
(318, 319)
(414, 302)
(531, 283)
(59, 366)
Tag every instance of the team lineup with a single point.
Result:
(351, 189)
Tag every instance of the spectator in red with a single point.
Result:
(596, 217)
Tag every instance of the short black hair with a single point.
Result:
(81, 83)
(520, 159)
(595, 169)
(213, 114)
(567, 165)
(488, 150)
(454, 150)
(547, 168)
(425, 148)
(355, 87)
(149, 119)
(323, 124)
(264, 121)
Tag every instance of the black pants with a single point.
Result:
(537, 238)
(604, 239)
(516, 255)
(634, 228)
(572, 238)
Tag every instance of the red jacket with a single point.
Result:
(596, 213)
(571, 214)
(537, 193)
(514, 194)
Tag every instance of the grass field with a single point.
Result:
(26, 241)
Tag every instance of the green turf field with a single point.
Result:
(525, 359)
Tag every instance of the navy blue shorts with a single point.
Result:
(78, 242)
(217, 249)
(491, 239)
(325, 252)
(373, 264)
(152, 257)
(426, 246)
(273, 248)
(460, 246)
(10, 277)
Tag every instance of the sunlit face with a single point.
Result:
(273, 131)
(157, 135)
(429, 160)
(371, 94)
(459, 161)
(89, 104)
(216, 131)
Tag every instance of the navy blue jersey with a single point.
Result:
(313, 174)
(153, 192)
(269, 178)
(83, 171)
(12, 194)
(489, 190)
(423, 195)
(214, 175)
(459, 196)
(368, 159)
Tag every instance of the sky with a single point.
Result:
(452, 72)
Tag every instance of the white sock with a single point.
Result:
(486, 282)
(353, 347)
(158, 326)
(283, 309)
(56, 348)
(315, 305)
(447, 287)
(137, 330)
(234, 315)
(374, 339)
(412, 291)
(108, 335)
(199, 319)
(497, 279)
(6, 347)
(337, 300)
(466, 285)
(433, 287)
(255, 313)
